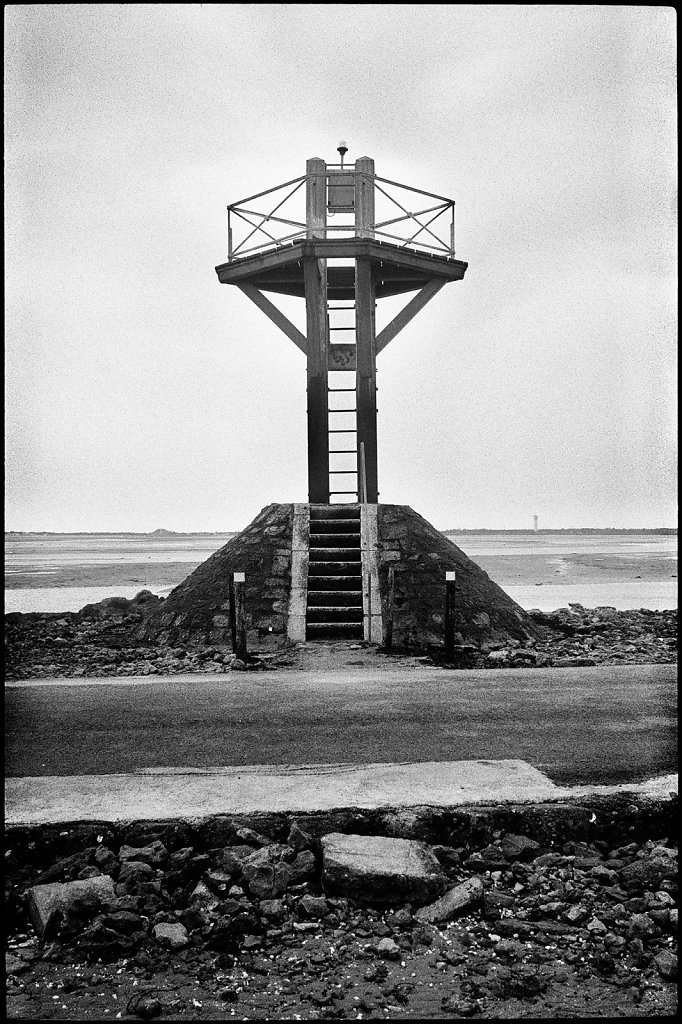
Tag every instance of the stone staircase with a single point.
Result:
(334, 608)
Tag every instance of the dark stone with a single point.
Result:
(132, 876)
(123, 921)
(300, 840)
(146, 1008)
(228, 995)
(649, 872)
(314, 906)
(66, 870)
(154, 854)
(515, 847)
(666, 962)
(180, 858)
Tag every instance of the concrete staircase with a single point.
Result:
(334, 608)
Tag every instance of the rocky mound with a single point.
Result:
(199, 607)
(420, 555)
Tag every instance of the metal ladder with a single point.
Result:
(343, 427)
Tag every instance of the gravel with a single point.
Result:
(53, 645)
(547, 933)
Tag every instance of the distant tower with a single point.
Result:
(535, 523)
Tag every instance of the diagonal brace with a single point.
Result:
(275, 315)
(408, 312)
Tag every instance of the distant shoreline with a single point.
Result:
(165, 534)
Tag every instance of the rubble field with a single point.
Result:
(101, 640)
(534, 911)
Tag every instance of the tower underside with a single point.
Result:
(341, 342)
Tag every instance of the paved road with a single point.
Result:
(579, 726)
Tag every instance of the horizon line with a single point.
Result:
(449, 529)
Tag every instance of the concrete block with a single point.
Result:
(380, 870)
(47, 903)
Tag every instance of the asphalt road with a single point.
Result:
(577, 725)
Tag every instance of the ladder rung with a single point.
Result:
(342, 410)
(332, 391)
(342, 472)
(353, 431)
(343, 492)
(341, 329)
(342, 451)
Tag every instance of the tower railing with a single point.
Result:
(428, 229)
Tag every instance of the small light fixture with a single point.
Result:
(342, 149)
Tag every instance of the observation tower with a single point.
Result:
(359, 239)
(340, 566)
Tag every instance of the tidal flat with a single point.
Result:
(63, 572)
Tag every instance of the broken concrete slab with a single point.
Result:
(47, 904)
(165, 793)
(452, 903)
(380, 870)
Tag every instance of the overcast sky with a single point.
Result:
(141, 393)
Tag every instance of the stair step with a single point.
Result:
(329, 570)
(345, 511)
(325, 527)
(340, 582)
(334, 630)
(335, 598)
(334, 541)
(329, 613)
(351, 555)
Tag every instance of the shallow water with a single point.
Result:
(69, 599)
(655, 596)
(623, 596)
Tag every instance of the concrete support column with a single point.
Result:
(315, 282)
(365, 333)
(371, 593)
(298, 595)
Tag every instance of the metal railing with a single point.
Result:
(239, 211)
(261, 230)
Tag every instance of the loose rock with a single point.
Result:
(47, 903)
(452, 903)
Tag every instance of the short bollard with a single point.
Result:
(239, 616)
(450, 614)
(390, 602)
(233, 616)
